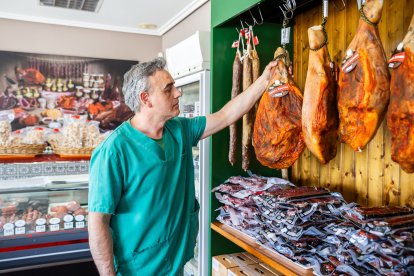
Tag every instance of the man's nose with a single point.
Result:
(177, 92)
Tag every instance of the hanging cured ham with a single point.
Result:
(277, 133)
(400, 117)
(363, 93)
(319, 111)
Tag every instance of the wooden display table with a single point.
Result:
(268, 256)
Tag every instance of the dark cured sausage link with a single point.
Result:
(235, 90)
(247, 118)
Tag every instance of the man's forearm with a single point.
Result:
(236, 108)
(100, 243)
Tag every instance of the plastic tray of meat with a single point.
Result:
(365, 213)
(301, 192)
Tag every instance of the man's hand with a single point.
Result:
(269, 71)
(240, 105)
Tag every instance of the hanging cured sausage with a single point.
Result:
(235, 90)
(277, 134)
(247, 118)
(363, 93)
(400, 115)
(319, 111)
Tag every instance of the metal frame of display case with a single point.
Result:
(42, 249)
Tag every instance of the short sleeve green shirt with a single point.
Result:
(150, 193)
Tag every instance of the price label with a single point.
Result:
(41, 228)
(20, 230)
(9, 232)
(54, 227)
(285, 36)
(68, 225)
(80, 224)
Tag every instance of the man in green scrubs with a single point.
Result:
(143, 215)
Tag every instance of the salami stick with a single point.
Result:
(235, 90)
(255, 75)
(247, 118)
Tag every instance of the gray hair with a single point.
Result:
(136, 81)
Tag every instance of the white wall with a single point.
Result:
(199, 20)
(22, 36)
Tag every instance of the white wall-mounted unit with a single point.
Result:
(190, 55)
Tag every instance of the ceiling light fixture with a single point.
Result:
(147, 26)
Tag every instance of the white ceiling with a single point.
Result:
(113, 15)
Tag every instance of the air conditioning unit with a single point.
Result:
(190, 55)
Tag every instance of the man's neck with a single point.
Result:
(152, 126)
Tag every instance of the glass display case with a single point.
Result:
(43, 219)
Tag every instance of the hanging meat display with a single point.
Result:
(400, 112)
(363, 92)
(277, 134)
(235, 90)
(319, 111)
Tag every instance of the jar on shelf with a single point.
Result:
(79, 91)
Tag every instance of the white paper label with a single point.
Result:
(80, 218)
(80, 224)
(68, 225)
(8, 229)
(20, 223)
(20, 230)
(41, 228)
(285, 36)
(54, 227)
(215, 265)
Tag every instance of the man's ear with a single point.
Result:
(144, 98)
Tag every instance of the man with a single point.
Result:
(143, 215)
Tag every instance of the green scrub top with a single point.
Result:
(150, 194)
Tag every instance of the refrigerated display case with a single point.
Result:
(43, 219)
(195, 101)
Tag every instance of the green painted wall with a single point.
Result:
(225, 18)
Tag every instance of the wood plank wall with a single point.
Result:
(369, 178)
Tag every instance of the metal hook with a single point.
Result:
(343, 5)
(290, 6)
(255, 22)
(241, 22)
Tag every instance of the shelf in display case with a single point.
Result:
(268, 256)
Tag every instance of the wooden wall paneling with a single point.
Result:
(306, 22)
(336, 41)
(394, 32)
(376, 145)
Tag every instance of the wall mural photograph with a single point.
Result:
(70, 103)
